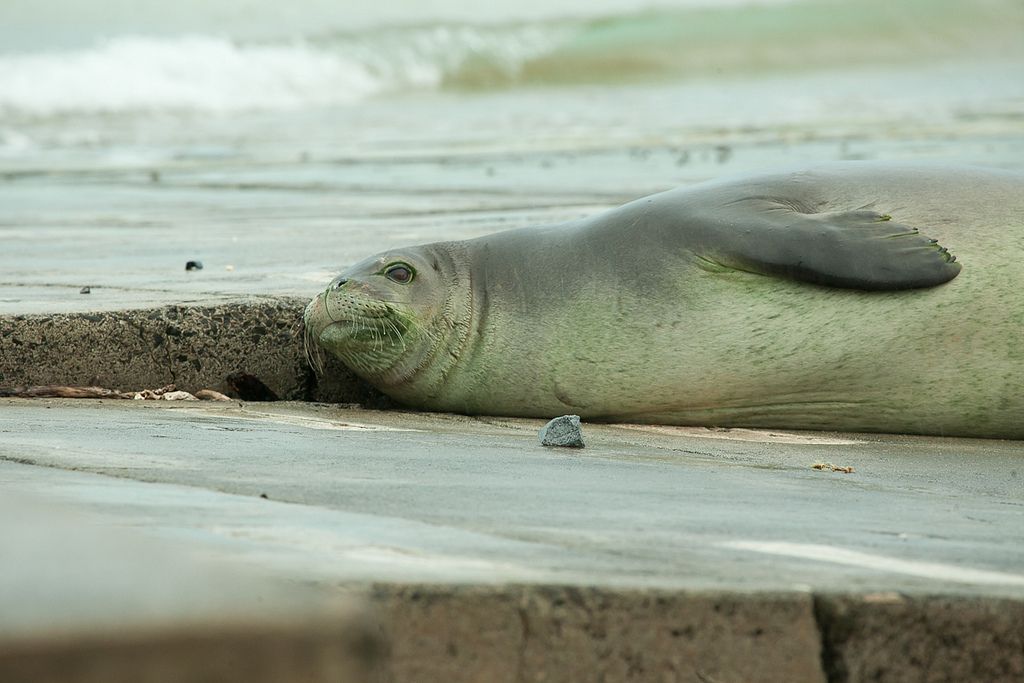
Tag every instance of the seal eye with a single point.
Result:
(400, 273)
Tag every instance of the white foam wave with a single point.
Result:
(192, 72)
(209, 73)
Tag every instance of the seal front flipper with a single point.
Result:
(851, 249)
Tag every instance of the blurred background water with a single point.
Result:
(279, 141)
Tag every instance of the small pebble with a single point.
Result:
(84, 290)
(194, 265)
(229, 268)
(563, 431)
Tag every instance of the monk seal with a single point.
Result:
(851, 297)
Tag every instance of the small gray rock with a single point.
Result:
(562, 431)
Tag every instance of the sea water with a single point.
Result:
(277, 142)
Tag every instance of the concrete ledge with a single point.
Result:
(587, 634)
(513, 634)
(193, 347)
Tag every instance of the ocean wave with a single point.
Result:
(218, 74)
(208, 73)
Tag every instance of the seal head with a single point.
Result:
(395, 318)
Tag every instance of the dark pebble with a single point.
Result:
(84, 290)
(194, 265)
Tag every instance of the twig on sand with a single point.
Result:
(832, 468)
(166, 393)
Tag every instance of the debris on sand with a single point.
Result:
(178, 396)
(211, 395)
(54, 391)
(166, 393)
(832, 468)
(151, 394)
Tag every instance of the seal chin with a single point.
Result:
(371, 347)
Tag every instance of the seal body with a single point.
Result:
(852, 297)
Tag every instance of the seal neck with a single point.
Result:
(423, 372)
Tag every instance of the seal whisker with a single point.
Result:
(378, 337)
(398, 334)
(313, 352)
(327, 306)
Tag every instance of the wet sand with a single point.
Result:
(278, 202)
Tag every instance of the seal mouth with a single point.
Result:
(367, 333)
(371, 332)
